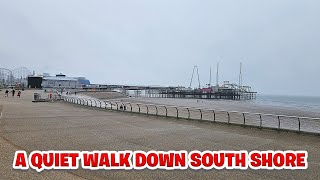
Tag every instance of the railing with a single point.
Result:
(270, 121)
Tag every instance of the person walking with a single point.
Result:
(13, 92)
(6, 93)
(19, 94)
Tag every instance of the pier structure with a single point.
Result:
(205, 93)
(226, 91)
(196, 94)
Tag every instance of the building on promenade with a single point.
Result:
(60, 81)
(34, 81)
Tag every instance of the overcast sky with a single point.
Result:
(149, 42)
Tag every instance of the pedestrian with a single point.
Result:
(75, 93)
(50, 94)
(6, 93)
(13, 92)
(19, 94)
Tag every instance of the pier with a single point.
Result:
(226, 91)
(198, 94)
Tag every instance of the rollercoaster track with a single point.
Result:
(11, 77)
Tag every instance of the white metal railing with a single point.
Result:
(260, 120)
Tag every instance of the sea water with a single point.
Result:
(297, 102)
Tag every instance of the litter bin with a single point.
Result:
(36, 96)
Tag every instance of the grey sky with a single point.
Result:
(148, 42)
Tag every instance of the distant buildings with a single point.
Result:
(60, 81)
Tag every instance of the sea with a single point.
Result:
(296, 102)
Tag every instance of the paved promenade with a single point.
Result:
(62, 126)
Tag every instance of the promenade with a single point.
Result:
(63, 126)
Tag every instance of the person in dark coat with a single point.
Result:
(13, 92)
(6, 93)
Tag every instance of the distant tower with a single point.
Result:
(195, 68)
(217, 76)
(240, 76)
